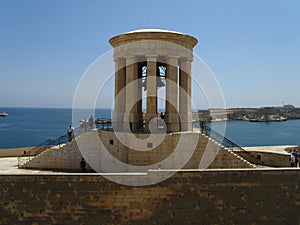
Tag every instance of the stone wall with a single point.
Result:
(66, 157)
(189, 197)
(273, 159)
(194, 150)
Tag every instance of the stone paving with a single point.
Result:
(10, 166)
(271, 149)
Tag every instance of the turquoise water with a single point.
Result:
(246, 133)
(31, 126)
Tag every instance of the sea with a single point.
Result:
(27, 127)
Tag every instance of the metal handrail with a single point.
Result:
(49, 143)
(138, 127)
(232, 146)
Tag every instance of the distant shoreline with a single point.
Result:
(13, 152)
(263, 114)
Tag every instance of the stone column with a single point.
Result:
(171, 116)
(131, 109)
(119, 104)
(151, 111)
(185, 94)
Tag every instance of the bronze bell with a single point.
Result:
(159, 80)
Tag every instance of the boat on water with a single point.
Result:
(3, 114)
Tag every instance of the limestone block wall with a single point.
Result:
(273, 159)
(207, 153)
(66, 157)
(190, 197)
(210, 154)
(194, 151)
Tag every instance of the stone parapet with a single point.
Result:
(189, 197)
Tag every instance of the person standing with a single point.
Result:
(82, 165)
(70, 133)
(202, 126)
(81, 126)
(91, 122)
(296, 155)
(292, 159)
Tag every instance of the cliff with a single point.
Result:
(260, 114)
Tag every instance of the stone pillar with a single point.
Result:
(151, 111)
(119, 104)
(171, 115)
(131, 109)
(185, 94)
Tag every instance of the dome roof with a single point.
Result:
(154, 34)
(153, 31)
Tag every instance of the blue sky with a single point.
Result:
(251, 46)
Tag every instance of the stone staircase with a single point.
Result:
(232, 153)
(208, 153)
(232, 147)
(60, 157)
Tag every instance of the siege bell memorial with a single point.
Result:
(149, 50)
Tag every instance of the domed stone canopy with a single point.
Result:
(139, 56)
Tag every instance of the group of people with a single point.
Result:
(85, 125)
(294, 158)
